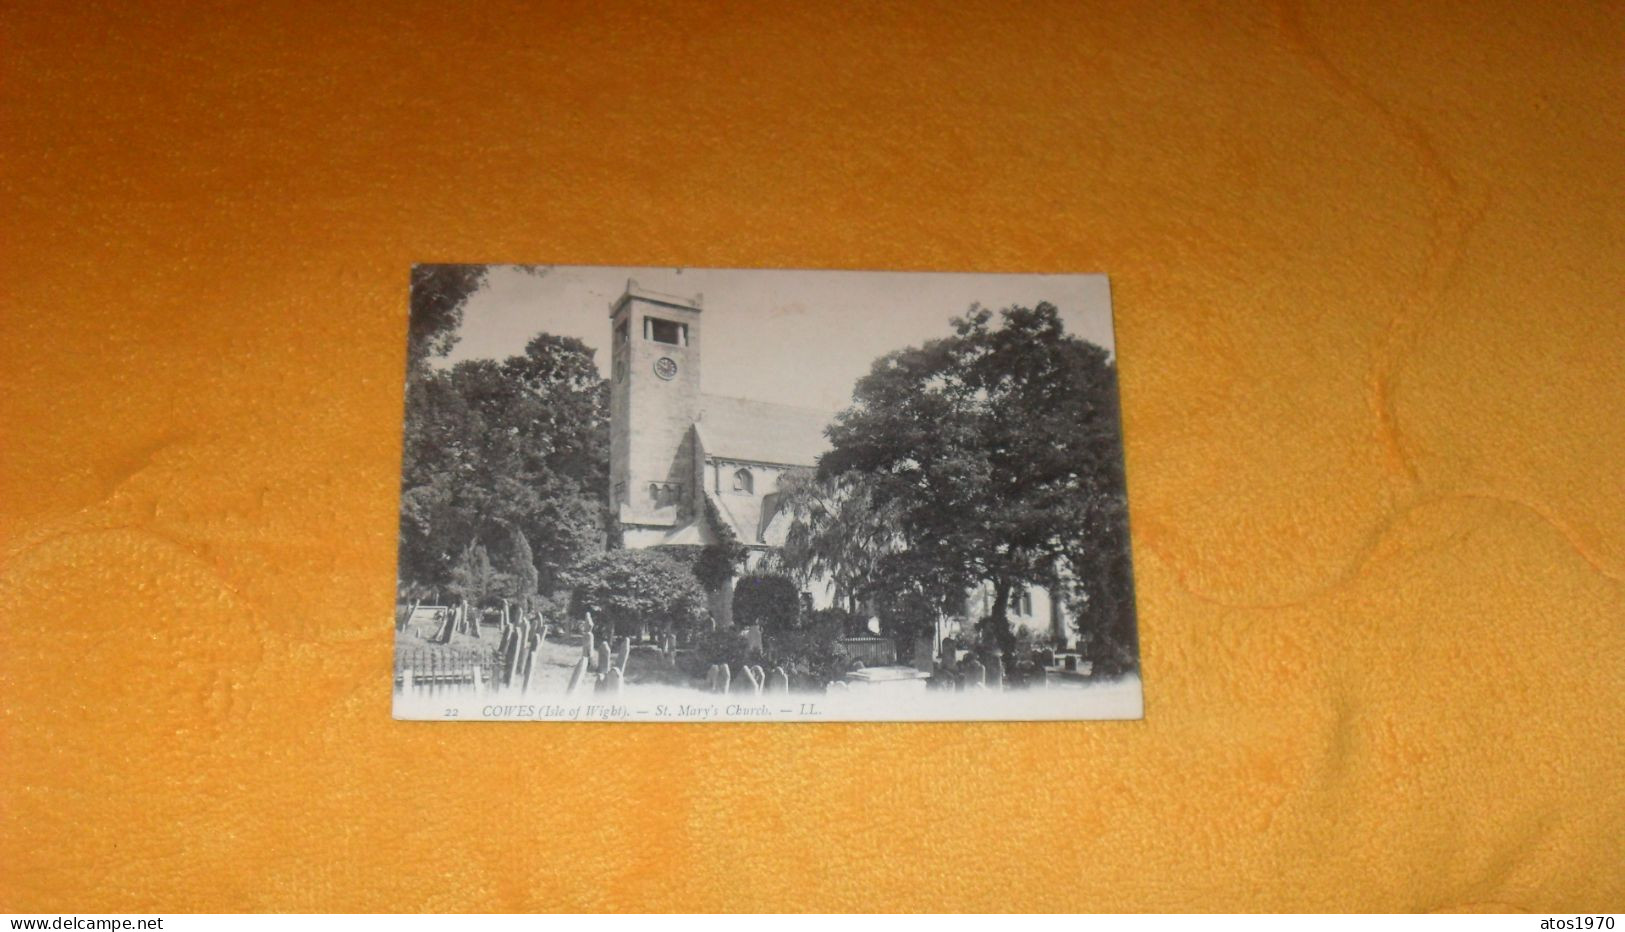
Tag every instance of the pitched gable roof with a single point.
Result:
(756, 431)
(743, 514)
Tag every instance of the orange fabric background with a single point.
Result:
(1367, 271)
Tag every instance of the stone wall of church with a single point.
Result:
(723, 477)
(651, 459)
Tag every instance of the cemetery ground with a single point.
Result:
(453, 662)
(448, 666)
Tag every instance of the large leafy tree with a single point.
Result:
(520, 561)
(840, 530)
(438, 295)
(998, 448)
(511, 454)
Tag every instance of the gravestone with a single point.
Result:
(515, 654)
(923, 654)
(972, 674)
(577, 675)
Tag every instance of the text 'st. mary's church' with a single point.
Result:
(674, 448)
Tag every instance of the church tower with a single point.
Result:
(654, 400)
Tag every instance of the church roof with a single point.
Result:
(742, 512)
(693, 533)
(750, 516)
(760, 432)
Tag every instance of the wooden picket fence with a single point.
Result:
(444, 670)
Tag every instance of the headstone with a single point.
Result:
(778, 681)
(612, 682)
(724, 678)
(442, 635)
(587, 645)
(753, 637)
(577, 675)
(972, 673)
(923, 659)
(603, 657)
(530, 659)
(503, 646)
(515, 655)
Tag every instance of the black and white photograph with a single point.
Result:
(687, 495)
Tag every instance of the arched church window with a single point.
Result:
(743, 482)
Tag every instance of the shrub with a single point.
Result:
(712, 564)
(771, 601)
(475, 578)
(726, 646)
(624, 589)
(815, 643)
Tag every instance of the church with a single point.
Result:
(675, 450)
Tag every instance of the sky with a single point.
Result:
(793, 337)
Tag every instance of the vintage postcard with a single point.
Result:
(701, 495)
